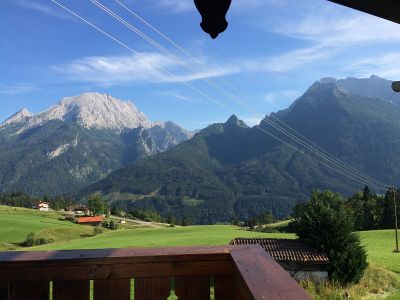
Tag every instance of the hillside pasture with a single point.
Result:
(163, 237)
(17, 223)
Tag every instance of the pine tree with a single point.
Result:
(327, 223)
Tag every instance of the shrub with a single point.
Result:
(31, 241)
(97, 230)
(327, 224)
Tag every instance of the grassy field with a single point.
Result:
(380, 245)
(381, 280)
(163, 237)
(16, 223)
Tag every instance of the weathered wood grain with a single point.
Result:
(72, 289)
(152, 288)
(116, 289)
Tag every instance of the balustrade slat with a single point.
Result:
(224, 287)
(29, 290)
(74, 289)
(193, 287)
(116, 289)
(152, 288)
(3, 290)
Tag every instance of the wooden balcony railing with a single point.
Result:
(231, 272)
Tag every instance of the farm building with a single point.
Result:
(94, 221)
(42, 206)
(302, 261)
(79, 210)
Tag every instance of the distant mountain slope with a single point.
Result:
(372, 87)
(77, 142)
(230, 170)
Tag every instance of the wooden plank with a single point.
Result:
(29, 290)
(114, 263)
(146, 254)
(224, 287)
(387, 9)
(152, 288)
(97, 270)
(74, 289)
(118, 289)
(261, 277)
(3, 290)
(193, 287)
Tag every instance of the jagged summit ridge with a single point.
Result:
(94, 110)
(19, 116)
(90, 110)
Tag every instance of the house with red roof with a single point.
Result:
(94, 221)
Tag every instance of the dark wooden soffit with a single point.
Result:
(386, 9)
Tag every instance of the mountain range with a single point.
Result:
(97, 144)
(229, 170)
(77, 142)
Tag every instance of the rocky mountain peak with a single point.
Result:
(94, 110)
(19, 116)
(234, 121)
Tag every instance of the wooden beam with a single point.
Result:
(386, 9)
(114, 263)
(261, 277)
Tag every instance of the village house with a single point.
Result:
(299, 259)
(42, 206)
(78, 210)
(94, 221)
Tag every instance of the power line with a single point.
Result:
(167, 52)
(200, 92)
(338, 161)
(140, 55)
(176, 45)
(332, 159)
(368, 181)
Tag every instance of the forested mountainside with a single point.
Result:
(230, 170)
(77, 142)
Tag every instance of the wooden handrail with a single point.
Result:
(239, 272)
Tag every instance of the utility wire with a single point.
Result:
(176, 45)
(175, 78)
(195, 89)
(332, 159)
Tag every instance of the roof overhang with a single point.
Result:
(386, 9)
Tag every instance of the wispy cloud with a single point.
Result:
(177, 5)
(17, 88)
(238, 6)
(121, 70)
(178, 96)
(386, 65)
(43, 8)
(281, 96)
(328, 36)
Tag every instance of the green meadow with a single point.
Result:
(381, 279)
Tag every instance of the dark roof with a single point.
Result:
(286, 250)
(387, 9)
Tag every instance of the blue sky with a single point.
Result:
(272, 51)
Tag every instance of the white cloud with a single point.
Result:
(46, 9)
(122, 70)
(386, 65)
(17, 88)
(328, 36)
(276, 97)
(253, 120)
(178, 96)
(177, 5)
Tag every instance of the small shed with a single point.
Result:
(94, 221)
(302, 261)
